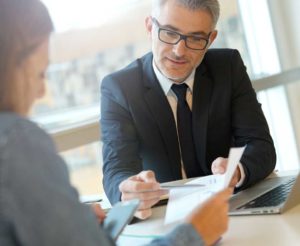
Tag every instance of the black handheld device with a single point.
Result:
(119, 216)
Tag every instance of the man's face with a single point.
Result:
(176, 62)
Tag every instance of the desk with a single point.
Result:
(254, 230)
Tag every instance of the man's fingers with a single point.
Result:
(146, 204)
(144, 181)
(234, 181)
(143, 214)
(236, 178)
(143, 195)
(130, 185)
(218, 169)
(144, 187)
(219, 165)
(147, 176)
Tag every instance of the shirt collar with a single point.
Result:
(166, 83)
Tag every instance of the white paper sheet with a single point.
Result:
(183, 201)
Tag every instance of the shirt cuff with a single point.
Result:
(242, 179)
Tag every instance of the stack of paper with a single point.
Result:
(183, 201)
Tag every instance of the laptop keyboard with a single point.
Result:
(271, 198)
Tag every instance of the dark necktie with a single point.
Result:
(185, 132)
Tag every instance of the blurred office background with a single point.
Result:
(96, 37)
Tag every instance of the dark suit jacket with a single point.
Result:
(139, 131)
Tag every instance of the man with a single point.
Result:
(38, 204)
(178, 110)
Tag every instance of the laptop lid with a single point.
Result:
(238, 201)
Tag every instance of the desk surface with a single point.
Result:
(251, 230)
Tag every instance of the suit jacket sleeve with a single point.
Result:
(120, 142)
(249, 126)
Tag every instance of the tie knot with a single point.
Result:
(180, 91)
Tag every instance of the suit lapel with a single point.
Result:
(162, 114)
(201, 103)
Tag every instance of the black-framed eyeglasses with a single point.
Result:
(193, 42)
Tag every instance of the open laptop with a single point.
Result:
(270, 196)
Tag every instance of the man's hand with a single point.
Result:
(144, 187)
(210, 219)
(219, 166)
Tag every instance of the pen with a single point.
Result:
(97, 200)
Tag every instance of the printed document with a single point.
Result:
(183, 201)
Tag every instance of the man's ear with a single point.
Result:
(149, 25)
(212, 37)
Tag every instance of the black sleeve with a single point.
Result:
(249, 126)
(120, 140)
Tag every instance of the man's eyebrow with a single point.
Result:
(172, 28)
(200, 33)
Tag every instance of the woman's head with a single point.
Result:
(25, 26)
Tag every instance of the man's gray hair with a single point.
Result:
(211, 6)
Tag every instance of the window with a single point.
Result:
(84, 165)
(97, 37)
(89, 43)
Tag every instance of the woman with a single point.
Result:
(38, 206)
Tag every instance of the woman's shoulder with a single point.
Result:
(27, 153)
(9, 121)
(14, 127)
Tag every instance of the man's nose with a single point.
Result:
(179, 49)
